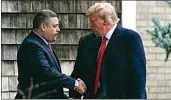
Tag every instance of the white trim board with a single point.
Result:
(129, 14)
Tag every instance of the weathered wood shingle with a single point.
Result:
(23, 21)
(5, 84)
(9, 52)
(5, 95)
(65, 36)
(12, 83)
(7, 68)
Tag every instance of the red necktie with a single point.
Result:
(99, 62)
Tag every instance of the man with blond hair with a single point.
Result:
(110, 60)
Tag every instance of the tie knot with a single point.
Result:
(50, 47)
(104, 39)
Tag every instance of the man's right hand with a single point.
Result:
(81, 88)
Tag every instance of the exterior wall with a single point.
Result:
(158, 71)
(17, 16)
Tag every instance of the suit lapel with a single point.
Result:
(97, 43)
(57, 60)
(113, 42)
(46, 48)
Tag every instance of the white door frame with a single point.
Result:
(129, 14)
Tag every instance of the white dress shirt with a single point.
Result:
(109, 34)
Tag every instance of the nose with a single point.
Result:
(58, 30)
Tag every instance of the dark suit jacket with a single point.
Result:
(124, 64)
(36, 61)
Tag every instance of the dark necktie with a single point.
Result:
(50, 47)
(99, 62)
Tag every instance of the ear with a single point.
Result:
(105, 21)
(43, 26)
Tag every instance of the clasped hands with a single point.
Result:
(81, 88)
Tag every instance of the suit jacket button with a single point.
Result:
(24, 97)
(36, 85)
(54, 91)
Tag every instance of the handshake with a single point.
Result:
(80, 86)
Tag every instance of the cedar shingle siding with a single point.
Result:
(16, 23)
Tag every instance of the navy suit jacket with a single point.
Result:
(124, 64)
(35, 60)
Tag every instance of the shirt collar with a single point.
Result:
(41, 37)
(109, 34)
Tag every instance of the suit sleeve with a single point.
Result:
(76, 71)
(44, 69)
(137, 66)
